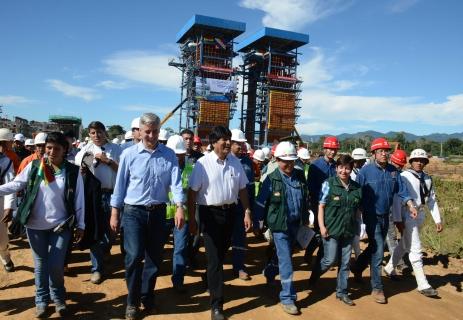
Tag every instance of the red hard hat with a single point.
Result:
(399, 157)
(272, 151)
(197, 140)
(379, 143)
(331, 143)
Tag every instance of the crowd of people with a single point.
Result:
(156, 184)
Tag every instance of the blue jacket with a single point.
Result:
(378, 188)
(319, 171)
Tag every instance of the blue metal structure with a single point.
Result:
(206, 53)
(270, 70)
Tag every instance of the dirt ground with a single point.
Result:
(244, 300)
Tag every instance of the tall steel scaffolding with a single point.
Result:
(271, 89)
(209, 84)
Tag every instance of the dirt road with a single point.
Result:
(244, 300)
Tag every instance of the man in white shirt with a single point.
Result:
(105, 164)
(217, 180)
(6, 211)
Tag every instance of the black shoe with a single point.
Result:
(217, 314)
(358, 277)
(131, 313)
(61, 309)
(180, 288)
(40, 311)
(346, 300)
(9, 267)
(429, 292)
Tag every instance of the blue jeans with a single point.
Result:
(180, 250)
(99, 248)
(144, 234)
(49, 252)
(238, 239)
(376, 227)
(337, 250)
(284, 243)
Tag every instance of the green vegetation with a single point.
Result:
(450, 241)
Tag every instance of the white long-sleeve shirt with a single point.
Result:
(412, 183)
(8, 201)
(49, 208)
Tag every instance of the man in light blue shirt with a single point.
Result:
(147, 172)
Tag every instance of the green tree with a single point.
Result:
(453, 146)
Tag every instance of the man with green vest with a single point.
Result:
(282, 204)
(181, 236)
(338, 212)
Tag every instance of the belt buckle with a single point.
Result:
(150, 207)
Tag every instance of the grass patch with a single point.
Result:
(450, 241)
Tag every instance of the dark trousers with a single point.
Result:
(144, 234)
(217, 229)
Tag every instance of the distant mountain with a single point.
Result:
(438, 137)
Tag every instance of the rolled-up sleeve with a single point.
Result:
(176, 182)
(79, 203)
(262, 197)
(324, 192)
(122, 177)
(9, 200)
(196, 177)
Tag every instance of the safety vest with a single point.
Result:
(171, 206)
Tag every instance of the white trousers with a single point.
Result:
(410, 243)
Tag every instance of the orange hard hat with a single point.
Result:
(399, 157)
(331, 143)
(379, 143)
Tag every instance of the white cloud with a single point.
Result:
(145, 67)
(295, 14)
(323, 104)
(399, 6)
(13, 100)
(84, 93)
(112, 85)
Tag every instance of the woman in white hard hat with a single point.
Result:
(284, 194)
(421, 189)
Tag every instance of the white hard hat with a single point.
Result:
(116, 140)
(266, 151)
(163, 135)
(259, 155)
(135, 123)
(418, 154)
(285, 150)
(238, 135)
(359, 154)
(5, 134)
(19, 137)
(29, 142)
(177, 144)
(303, 153)
(128, 135)
(40, 138)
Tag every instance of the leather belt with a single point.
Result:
(221, 207)
(152, 207)
(106, 190)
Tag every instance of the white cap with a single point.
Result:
(40, 138)
(5, 134)
(128, 135)
(29, 142)
(19, 137)
(303, 153)
(259, 155)
(177, 144)
(238, 135)
(135, 123)
(266, 151)
(163, 135)
(418, 154)
(285, 150)
(359, 154)
(116, 140)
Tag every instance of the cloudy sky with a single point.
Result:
(379, 65)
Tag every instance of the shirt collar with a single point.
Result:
(141, 147)
(216, 157)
